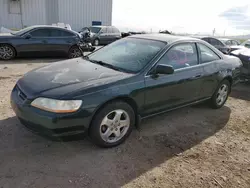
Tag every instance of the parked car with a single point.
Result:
(225, 49)
(244, 56)
(103, 35)
(244, 45)
(40, 41)
(229, 42)
(109, 91)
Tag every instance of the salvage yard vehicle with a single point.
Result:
(220, 45)
(243, 45)
(40, 41)
(109, 91)
(244, 56)
(229, 42)
(103, 35)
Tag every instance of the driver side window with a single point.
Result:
(181, 56)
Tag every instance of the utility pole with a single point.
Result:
(213, 31)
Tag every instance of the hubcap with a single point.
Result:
(222, 94)
(96, 42)
(76, 53)
(6, 52)
(114, 126)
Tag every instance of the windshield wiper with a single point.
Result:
(104, 64)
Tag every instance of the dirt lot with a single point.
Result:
(190, 147)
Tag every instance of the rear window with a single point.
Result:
(95, 29)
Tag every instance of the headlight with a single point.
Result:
(57, 106)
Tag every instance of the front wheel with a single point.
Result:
(112, 124)
(74, 52)
(221, 94)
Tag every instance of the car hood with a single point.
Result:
(6, 35)
(244, 51)
(66, 77)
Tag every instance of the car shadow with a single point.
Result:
(26, 157)
(241, 91)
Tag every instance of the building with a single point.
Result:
(78, 13)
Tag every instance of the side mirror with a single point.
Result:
(28, 36)
(164, 69)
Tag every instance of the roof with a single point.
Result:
(163, 37)
(45, 26)
(50, 26)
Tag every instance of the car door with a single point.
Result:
(104, 37)
(209, 62)
(36, 42)
(110, 35)
(115, 34)
(61, 41)
(181, 87)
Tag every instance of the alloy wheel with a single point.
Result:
(96, 42)
(6, 52)
(75, 53)
(222, 94)
(114, 126)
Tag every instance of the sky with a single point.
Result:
(183, 16)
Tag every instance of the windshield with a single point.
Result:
(22, 31)
(129, 54)
(95, 29)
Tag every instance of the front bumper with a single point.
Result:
(47, 123)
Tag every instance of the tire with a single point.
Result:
(74, 52)
(217, 103)
(106, 136)
(7, 52)
(96, 42)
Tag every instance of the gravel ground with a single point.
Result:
(190, 147)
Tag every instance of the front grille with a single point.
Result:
(21, 94)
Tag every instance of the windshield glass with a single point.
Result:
(129, 54)
(95, 29)
(22, 31)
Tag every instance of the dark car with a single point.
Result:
(229, 42)
(225, 49)
(40, 41)
(244, 56)
(109, 91)
(103, 35)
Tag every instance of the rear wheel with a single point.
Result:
(7, 52)
(221, 94)
(112, 124)
(74, 52)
